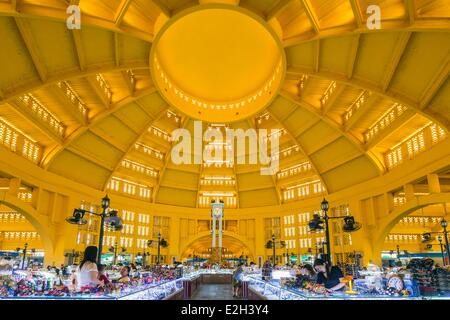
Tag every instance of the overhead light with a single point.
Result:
(427, 237)
(316, 223)
(113, 221)
(350, 225)
(77, 217)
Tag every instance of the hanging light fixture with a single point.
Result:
(350, 225)
(77, 217)
(316, 224)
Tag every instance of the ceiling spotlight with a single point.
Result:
(427, 237)
(350, 225)
(77, 217)
(113, 221)
(316, 223)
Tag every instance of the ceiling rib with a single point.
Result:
(297, 72)
(102, 135)
(297, 142)
(76, 34)
(99, 91)
(349, 137)
(422, 25)
(30, 43)
(332, 100)
(253, 125)
(89, 157)
(30, 10)
(31, 118)
(141, 135)
(363, 109)
(313, 19)
(121, 12)
(72, 75)
(163, 8)
(356, 9)
(395, 125)
(279, 6)
(436, 84)
(353, 55)
(410, 11)
(397, 55)
(51, 155)
(70, 106)
(183, 125)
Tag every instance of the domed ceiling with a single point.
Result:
(98, 105)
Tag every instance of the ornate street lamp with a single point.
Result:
(444, 226)
(109, 218)
(318, 223)
(272, 244)
(114, 249)
(442, 249)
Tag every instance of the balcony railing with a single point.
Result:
(17, 142)
(43, 114)
(418, 142)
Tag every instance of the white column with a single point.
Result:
(214, 232)
(220, 232)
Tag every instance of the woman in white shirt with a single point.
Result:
(87, 272)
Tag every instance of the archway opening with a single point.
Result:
(20, 241)
(233, 250)
(417, 234)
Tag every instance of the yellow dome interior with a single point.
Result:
(363, 114)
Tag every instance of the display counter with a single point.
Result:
(170, 290)
(259, 289)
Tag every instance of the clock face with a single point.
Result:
(217, 212)
(395, 282)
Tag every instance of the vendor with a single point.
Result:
(331, 278)
(87, 272)
(124, 275)
(308, 271)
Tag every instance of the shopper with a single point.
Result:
(125, 275)
(329, 277)
(87, 271)
(238, 277)
(266, 270)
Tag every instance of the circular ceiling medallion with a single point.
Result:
(218, 63)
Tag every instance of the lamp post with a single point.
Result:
(24, 255)
(110, 217)
(114, 249)
(274, 253)
(325, 207)
(317, 222)
(71, 257)
(442, 249)
(444, 226)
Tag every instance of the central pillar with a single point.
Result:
(214, 233)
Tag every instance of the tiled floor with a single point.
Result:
(214, 292)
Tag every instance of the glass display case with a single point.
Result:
(146, 292)
(273, 291)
